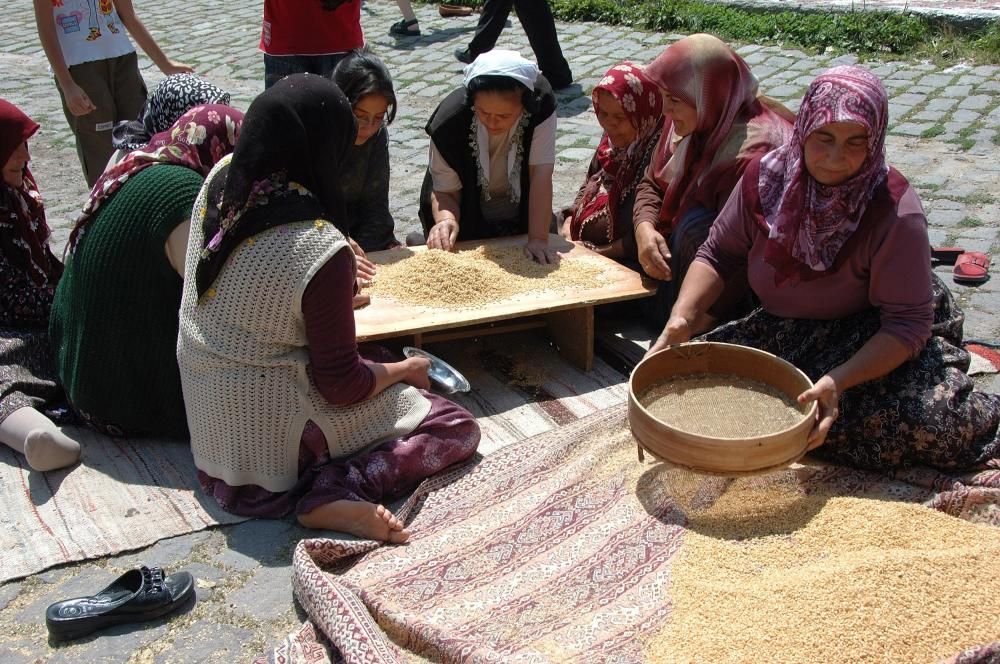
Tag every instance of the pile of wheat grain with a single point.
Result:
(721, 405)
(768, 573)
(477, 277)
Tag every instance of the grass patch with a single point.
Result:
(931, 132)
(970, 222)
(863, 32)
(996, 138)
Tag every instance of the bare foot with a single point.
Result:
(48, 449)
(366, 520)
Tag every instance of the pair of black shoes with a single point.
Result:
(137, 596)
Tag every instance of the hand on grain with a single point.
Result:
(676, 331)
(361, 301)
(539, 251)
(416, 372)
(442, 235)
(654, 253)
(825, 393)
(366, 269)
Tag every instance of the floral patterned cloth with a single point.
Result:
(595, 212)
(808, 222)
(925, 412)
(199, 139)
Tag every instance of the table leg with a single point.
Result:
(573, 332)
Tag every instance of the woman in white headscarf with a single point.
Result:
(491, 157)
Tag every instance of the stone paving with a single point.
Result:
(944, 135)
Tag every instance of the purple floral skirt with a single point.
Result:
(448, 435)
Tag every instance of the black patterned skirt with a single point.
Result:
(925, 412)
(27, 375)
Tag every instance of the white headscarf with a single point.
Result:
(500, 62)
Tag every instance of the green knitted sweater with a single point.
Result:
(114, 318)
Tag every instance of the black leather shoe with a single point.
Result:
(136, 596)
(463, 55)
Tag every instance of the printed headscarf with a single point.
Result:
(733, 126)
(24, 234)
(170, 99)
(285, 169)
(808, 222)
(198, 140)
(595, 216)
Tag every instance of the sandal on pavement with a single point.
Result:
(946, 255)
(402, 28)
(972, 267)
(136, 596)
(454, 10)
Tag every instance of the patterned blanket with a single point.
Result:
(565, 547)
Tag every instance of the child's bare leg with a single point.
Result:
(406, 9)
(366, 520)
(39, 439)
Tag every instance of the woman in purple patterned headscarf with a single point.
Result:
(834, 244)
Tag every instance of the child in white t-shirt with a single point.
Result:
(97, 70)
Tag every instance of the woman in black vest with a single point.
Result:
(491, 157)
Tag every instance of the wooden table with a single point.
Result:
(569, 316)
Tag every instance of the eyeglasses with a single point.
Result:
(369, 120)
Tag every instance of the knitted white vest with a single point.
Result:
(244, 363)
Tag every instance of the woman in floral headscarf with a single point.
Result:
(29, 393)
(718, 123)
(114, 318)
(630, 110)
(835, 245)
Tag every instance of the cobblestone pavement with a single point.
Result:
(945, 136)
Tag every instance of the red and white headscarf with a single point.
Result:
(620, 168)
(197, 140)
(733, 125)
(807, 222)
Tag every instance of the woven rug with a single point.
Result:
(124, 495)
(564, 547)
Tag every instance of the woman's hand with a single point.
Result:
(676, 331)
(564, 230)
(361, 301)
(827, 396)
(415, 372)
(539, 251)
(654, 253)
(366, 269)
(443, 235)
(170, 67)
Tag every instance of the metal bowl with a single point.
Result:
(446, 377)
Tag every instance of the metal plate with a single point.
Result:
(442, 374)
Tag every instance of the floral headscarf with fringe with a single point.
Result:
(595, 214)
(198, 140)
(807, 222)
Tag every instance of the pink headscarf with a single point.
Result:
(807, 222)
(733, 125)
(198, 140)
(620, 168)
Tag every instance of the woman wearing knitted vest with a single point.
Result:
(28, 277)
(491, 157)
(285, 415)
(114, 317)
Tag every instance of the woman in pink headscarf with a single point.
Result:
(834, 244)
(718, 123)
(630, 110)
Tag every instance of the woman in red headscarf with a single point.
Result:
(718, 123)
(834, 243)
(28, 277)
(630, 110)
